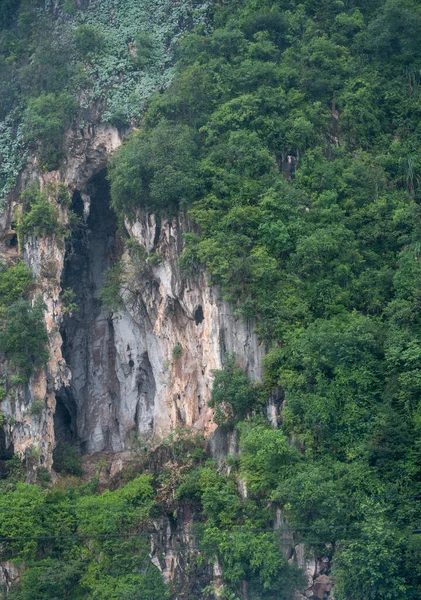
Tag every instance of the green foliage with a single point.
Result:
(67, 459)
(77, 56)
(146, 51)
(15, 283)
(7, 12)
(49, 578)
(88, 40)
(331, 380)
(177, 352)
(40, 218)
(266, 458)
(23, 336)
(233, 533)
(156, 171)
(62, 194)
(188, 261)
(375, 552)
(232, 394)
(110, 291)
(307, 183)
(68, 297)
(47, 118)
(37, 406)
(290, 134)
(92, 529)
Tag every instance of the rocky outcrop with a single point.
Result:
(315, 567)
(147, 368)
(186, 314)
(136, 372)
(9, 574)
(27, 433)
(143, 370)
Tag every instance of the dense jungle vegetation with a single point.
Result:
(290, 133)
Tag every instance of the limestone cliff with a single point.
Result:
(111, 375)
(137, 372)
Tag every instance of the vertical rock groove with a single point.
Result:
(88, 334)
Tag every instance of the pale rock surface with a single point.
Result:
(125, 378)
(9, 574)
(87, 155)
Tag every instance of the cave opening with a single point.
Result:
(198, 315)
(12, 241)
(83, 411)
(65, 417)
(6, 453)
(77, 204)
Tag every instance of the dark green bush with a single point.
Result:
(232, 394)
(37, 407)
(67, 459)
(46, 119)
(15, 282)
(88, 40)
(157, 171)
(145, 50)
(23, 336)
(8, 10)
(41, 219)
(177, 352)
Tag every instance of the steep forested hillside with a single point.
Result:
(80, 62)
(290, 134)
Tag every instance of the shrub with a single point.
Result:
(146, 51)
(7, 12)
(62, 194)
(67, 459)
(156, 170)
(88, 40)
(46, 118)
(37, 408)
(23, 336)
(41, 219)
(14, 283)
(232, 394)
(68, 297)
(44, 476)
(177, 351)
(110, 291)
(70, 7)
(189, 259)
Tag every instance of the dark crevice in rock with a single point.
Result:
(6, 453)
(77, 204)
(198, 315)
(157, 233)
(12, 241)
(146, 389)
(88, 334)
(6, 450)
(65, 417)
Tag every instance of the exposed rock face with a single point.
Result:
(174, 550)
(9, 574)
(319, 585)
(177, 312)
(143, 370)
(114, 374)
(31, 434)
(126, 376)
